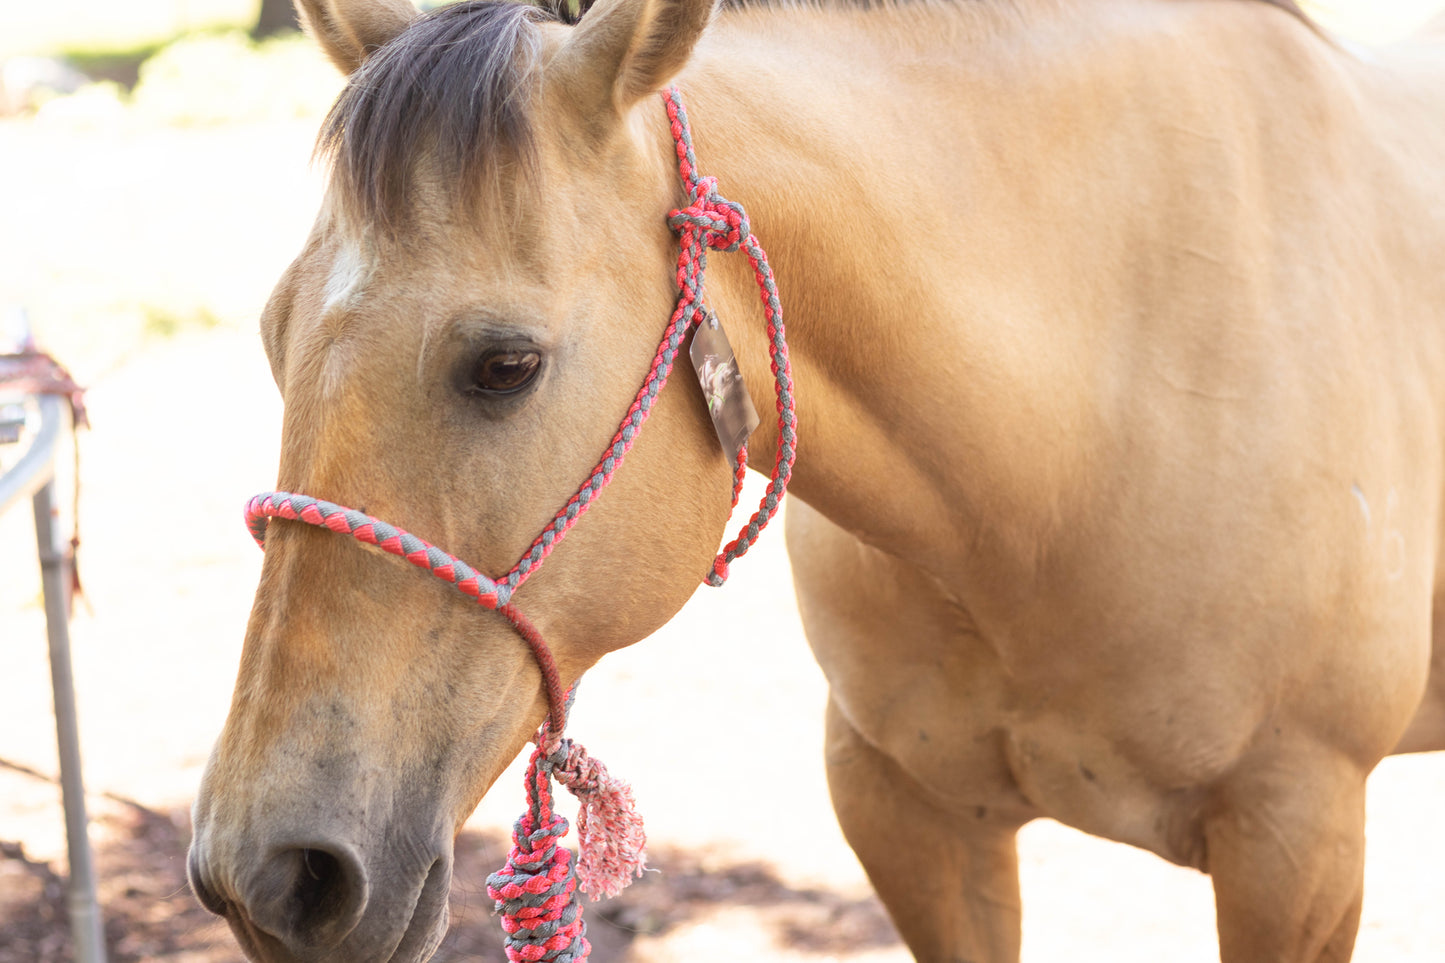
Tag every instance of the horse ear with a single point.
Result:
(625, 50)
(349, 30)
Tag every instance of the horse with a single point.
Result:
(1117, 333)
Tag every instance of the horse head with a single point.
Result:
(474, 309)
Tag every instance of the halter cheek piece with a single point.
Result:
(536, 892)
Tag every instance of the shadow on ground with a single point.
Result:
(150, 914)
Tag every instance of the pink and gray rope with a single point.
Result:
(33, 372)
(536, 892)
(445, 566)
(711, 221)
(708, 221)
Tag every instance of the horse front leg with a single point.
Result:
(950, 882)
(1285, 847)
(916, 764)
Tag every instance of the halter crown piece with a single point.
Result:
(536, 892)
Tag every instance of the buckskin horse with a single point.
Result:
(1118, 337)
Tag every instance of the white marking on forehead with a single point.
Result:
(349, 274)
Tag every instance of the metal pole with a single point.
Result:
(84, 908)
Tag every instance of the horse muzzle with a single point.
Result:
(315, 898)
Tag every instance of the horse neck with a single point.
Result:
(981, 255)
(805, 118)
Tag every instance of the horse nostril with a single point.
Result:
(309, 896)
(323, 887)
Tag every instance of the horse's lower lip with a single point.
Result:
(428, 923)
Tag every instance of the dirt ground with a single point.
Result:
(716, 719)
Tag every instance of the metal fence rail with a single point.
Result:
(33, 475)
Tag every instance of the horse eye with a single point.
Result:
(505, 371)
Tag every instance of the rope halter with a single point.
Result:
(536, 892)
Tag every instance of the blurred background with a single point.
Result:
(154, 182)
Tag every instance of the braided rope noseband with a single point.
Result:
(536, 892)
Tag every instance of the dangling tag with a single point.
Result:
(732, 411)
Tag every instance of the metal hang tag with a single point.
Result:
(728, 402)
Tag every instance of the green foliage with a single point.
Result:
(166, 322)
(203, 79)
(164, 211)
(103, 27)
(121, 65)
(222, 78)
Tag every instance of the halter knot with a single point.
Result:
(722, 223)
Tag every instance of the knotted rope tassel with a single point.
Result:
(536, 892)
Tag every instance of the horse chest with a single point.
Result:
(983, 725)
(960, 728)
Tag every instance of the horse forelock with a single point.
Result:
(455, 89)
